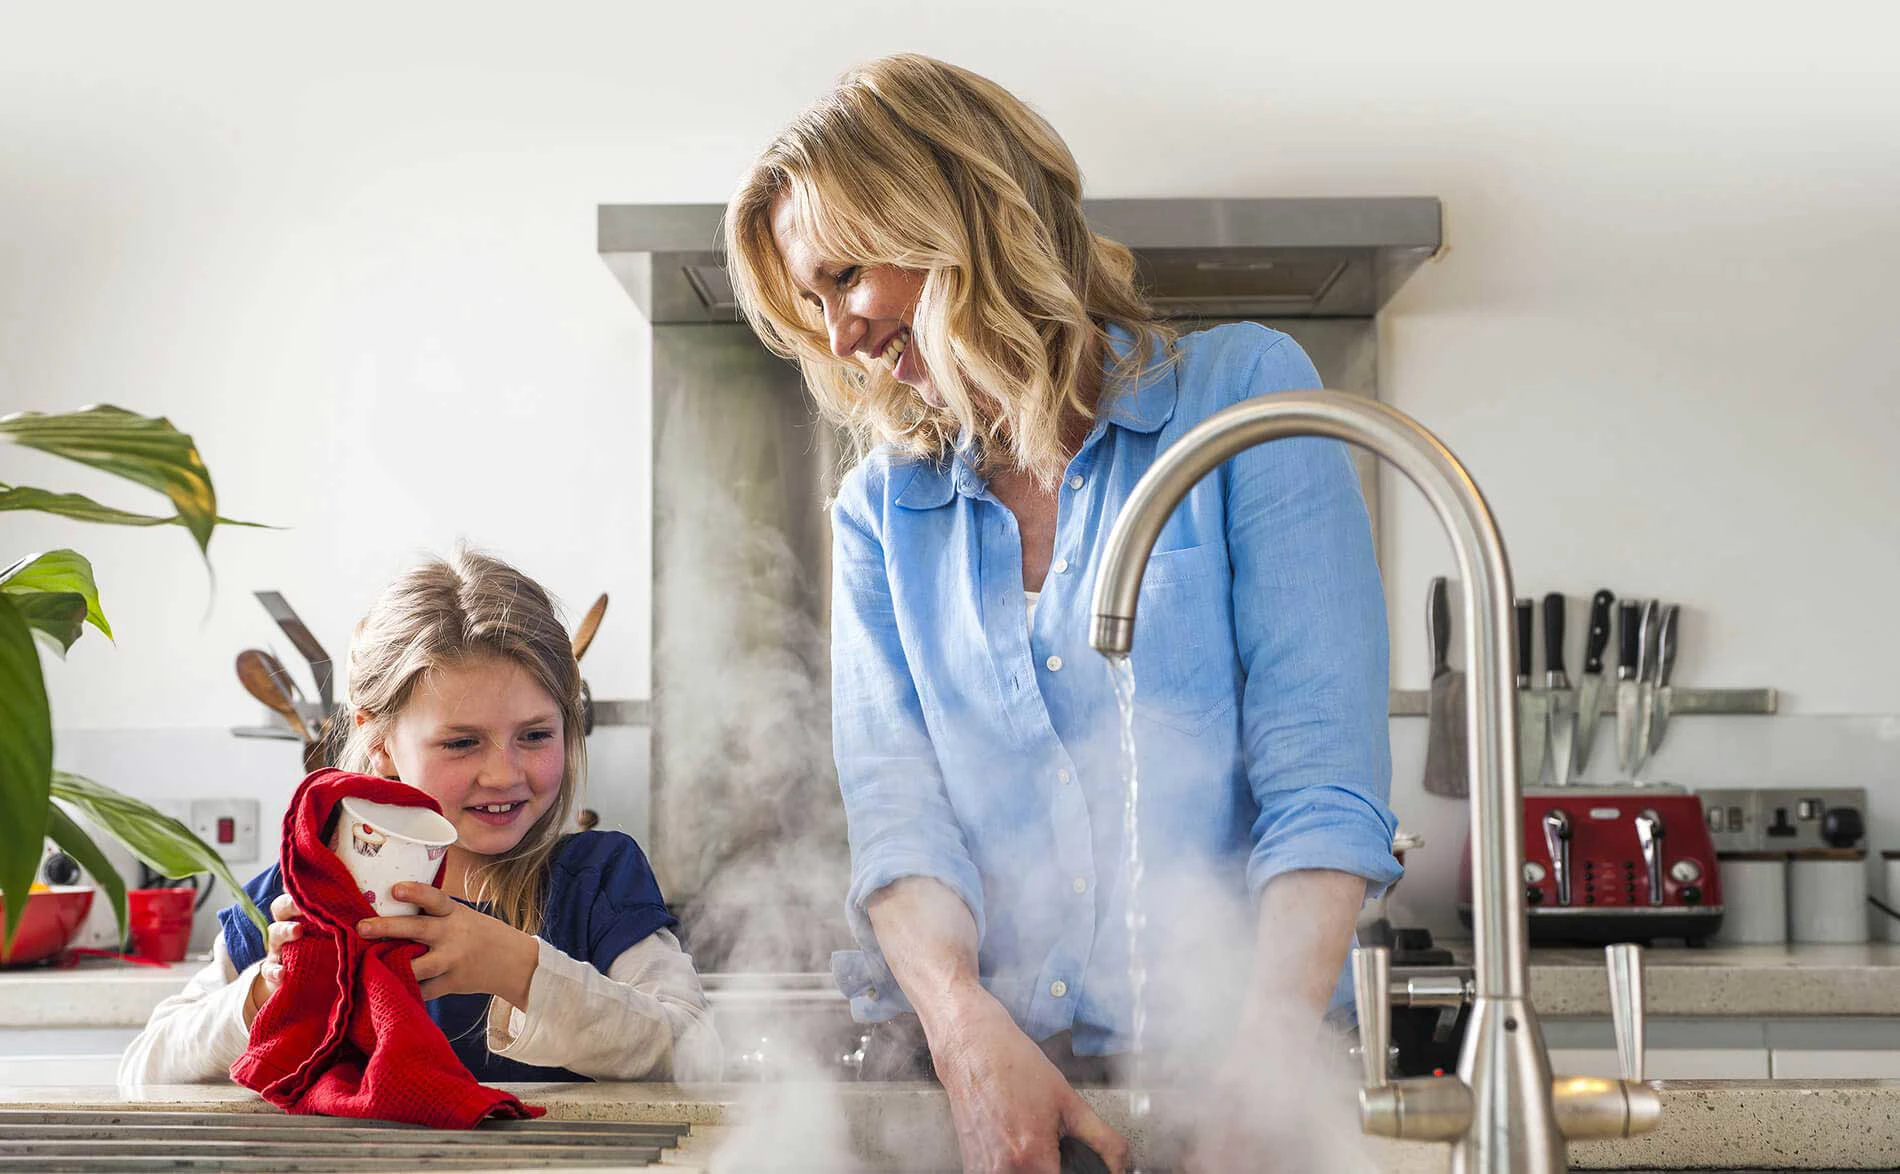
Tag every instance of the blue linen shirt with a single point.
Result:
(602, 900)
(980, 747)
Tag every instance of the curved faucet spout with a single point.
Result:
(1504, 1059)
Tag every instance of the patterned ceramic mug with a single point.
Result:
(382, 843)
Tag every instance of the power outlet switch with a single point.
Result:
(229, 825)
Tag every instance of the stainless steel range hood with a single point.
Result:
(1199, 258)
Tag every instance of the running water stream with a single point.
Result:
(1122, 672)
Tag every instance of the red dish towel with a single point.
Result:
(347, 1033)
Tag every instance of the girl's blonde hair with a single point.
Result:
(448, 612)
(912, 162)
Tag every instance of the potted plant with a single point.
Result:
(46, 601)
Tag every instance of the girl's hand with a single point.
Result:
(285, 926)
(469, 951)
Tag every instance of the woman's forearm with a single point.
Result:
(1303, 931)
(928, 938)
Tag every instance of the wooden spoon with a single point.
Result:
(264, 679)
(590, 623)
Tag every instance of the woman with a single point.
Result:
(915, 241)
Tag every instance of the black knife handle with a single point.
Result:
(1438, 624)
(1599, 638)
(1524, 637)
(1554, 633)
(1628, 640)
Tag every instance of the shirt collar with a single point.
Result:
(1146, 404)
(1143, 406)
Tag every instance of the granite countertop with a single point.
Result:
(1729, 981)
(1733, 981)
(1728, 1125)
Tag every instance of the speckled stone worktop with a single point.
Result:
(1710, 1125)
(1738, 981)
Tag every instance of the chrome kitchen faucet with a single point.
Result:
(1502, 1111)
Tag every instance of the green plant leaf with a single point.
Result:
(82, 508)
(75, 505)
(57, 571)
(26, 761)
(142, 449)
(73, 840)
(168, 846)
(56, 617)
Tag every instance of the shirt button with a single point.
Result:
(1062, 776)
(1075, 482)
(1060, 566)
(1054, 663)
(1080, 884)
(1058, 988)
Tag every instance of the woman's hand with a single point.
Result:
(1009, 1103)
(285, 926)
(469, 951)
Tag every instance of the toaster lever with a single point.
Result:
(1557, 840)
(1649, 834)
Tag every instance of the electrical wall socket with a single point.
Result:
(229, 825)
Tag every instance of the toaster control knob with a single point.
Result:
(1533, 894)
(1685, 872)
(1691, 894)
(1533, 872)
(1842, 827)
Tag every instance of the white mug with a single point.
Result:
(383, 843)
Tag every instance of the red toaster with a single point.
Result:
(1614, 864)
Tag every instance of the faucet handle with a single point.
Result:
(1625, 961)
(1372, 991)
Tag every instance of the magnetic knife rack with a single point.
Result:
(1683, 701)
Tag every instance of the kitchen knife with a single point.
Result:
(1533, 710)
(1563, 725)
(1646, 664)
(1590, 687)
(1445, 750)
(1628, 657)
(1665, 669)
(280, 610)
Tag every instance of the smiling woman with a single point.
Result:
(916, 241)
(921, 204)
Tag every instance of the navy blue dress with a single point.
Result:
(602, 898)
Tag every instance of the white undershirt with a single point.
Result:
(1032, 597)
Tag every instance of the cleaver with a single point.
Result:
(1533, 709)
(1446, 770)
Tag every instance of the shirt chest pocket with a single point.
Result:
(1186, 668)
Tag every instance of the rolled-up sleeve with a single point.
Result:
(899, 818)
(1309, 614)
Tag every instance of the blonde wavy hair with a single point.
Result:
(448, 612)
(915, 163)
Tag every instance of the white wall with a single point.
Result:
(352, 251)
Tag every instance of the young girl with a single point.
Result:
(550, 955)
